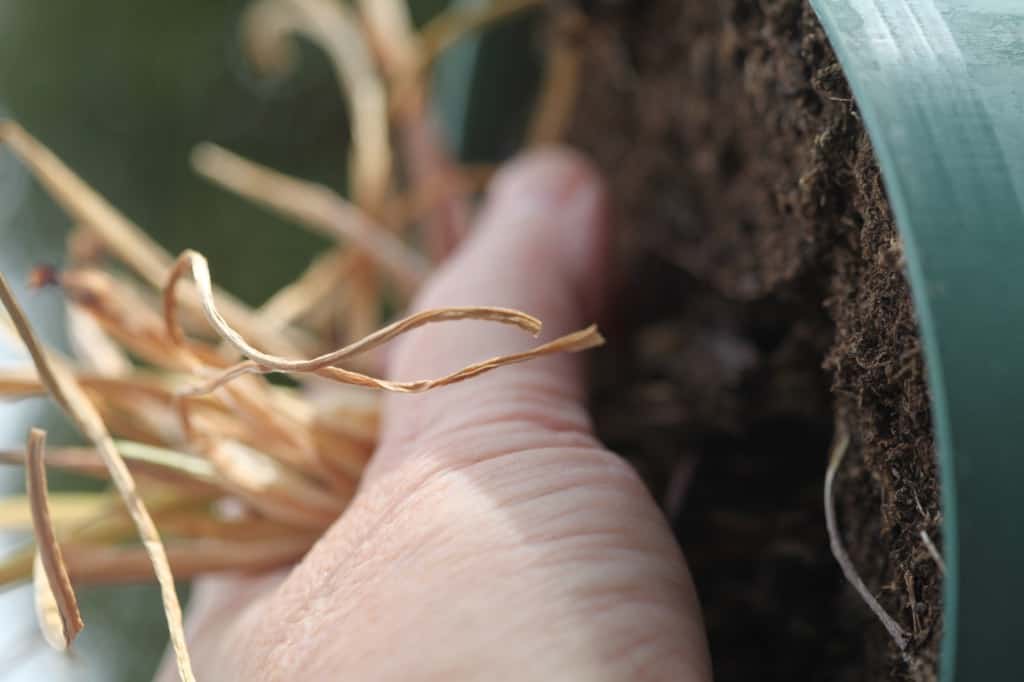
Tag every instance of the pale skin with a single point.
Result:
(493, 537)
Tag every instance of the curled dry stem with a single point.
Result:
(323, 365)
(334, 28)
(56, 604)
(581, 340)
(839, 448)
(195, 263)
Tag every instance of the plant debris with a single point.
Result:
(239, 473)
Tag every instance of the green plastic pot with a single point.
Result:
(940, 85)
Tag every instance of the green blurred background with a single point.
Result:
(122, 91)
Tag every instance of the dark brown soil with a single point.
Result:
(765, 300)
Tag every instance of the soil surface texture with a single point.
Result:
(764, 300)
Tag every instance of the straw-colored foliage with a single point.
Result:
(213, 467)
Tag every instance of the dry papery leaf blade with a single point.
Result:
(69, 395)
(56, 605)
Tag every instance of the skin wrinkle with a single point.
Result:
(386, 558)
(354, 547)
(519, 424)
(559, 471)
(438, 488)
(494, 441)
(584, 476)
(525, 404)
(561, 591)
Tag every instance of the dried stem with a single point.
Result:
(69, 395)
(320, 280)
(554, 107)
(933, 551)
(127, 316)
(87, 207)
(107, 522)
(315, 206)
(581, 340)
(53, 589)
(123, 237)
(391, 33)
(93, 346)
(99, 565)
(274, 489)
(839, 448)
(145, 460)
(578, 341)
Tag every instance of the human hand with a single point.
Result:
(493, 537)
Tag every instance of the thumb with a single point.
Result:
(541, 245)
